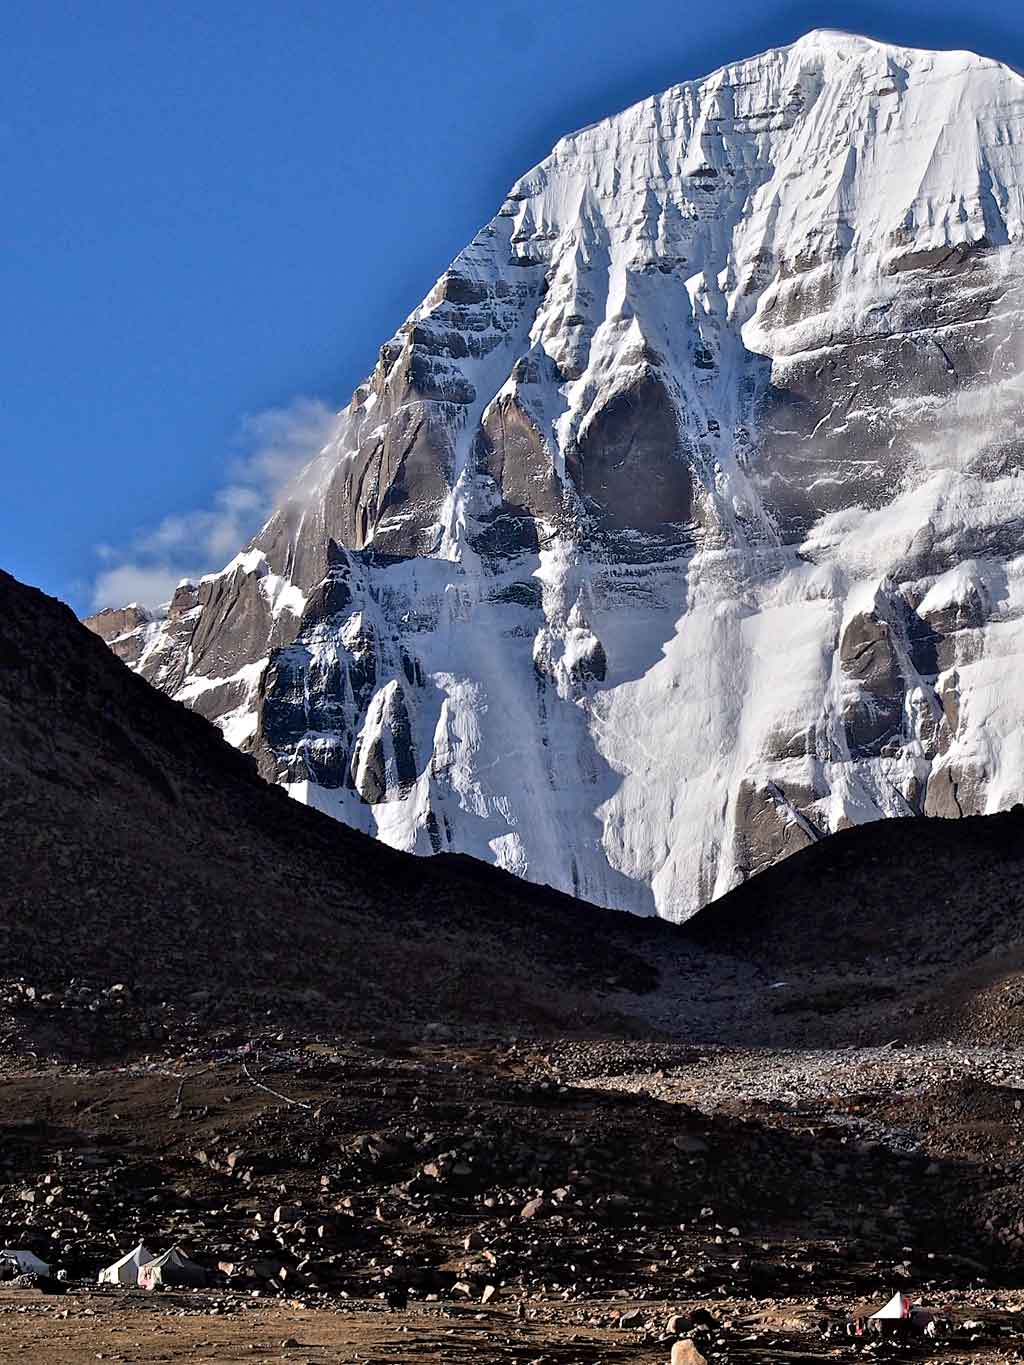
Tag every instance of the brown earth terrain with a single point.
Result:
(396, 1200)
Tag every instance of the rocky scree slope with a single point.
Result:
(907, 930)
(139, 849)
(681, 524)
(416, 1171)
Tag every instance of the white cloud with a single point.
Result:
(130, 583)
(273, 447)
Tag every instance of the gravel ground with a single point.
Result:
(798, 1079)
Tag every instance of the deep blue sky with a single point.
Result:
(212, 209)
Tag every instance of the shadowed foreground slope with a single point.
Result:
(916, 890)
(909, 927)
(135, 844)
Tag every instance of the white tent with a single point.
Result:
(898, 1307)
(26, 1262)
(173, 1267)
(126, 1270)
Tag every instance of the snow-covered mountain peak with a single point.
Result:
(681, 523)
(801, 146)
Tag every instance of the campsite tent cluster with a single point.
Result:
(902, 1308)
(137, 1267)
(17, 1261)
(900, 1316)
(141, 1267)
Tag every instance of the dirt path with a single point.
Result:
(36, 1332)
(83, 1328)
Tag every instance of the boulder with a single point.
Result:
(686, 1353)
(536, 1208)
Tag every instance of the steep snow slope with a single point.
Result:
(682, 523)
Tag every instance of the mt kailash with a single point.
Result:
(683, 522)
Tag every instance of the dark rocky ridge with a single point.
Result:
(906, 929)
(137, 846)
(921, 890)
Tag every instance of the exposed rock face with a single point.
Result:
(682, 524)
(628, 463)
(123, 629)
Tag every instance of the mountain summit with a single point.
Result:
(681, 524)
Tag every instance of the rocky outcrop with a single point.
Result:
(868, 656)
(514, 464)
(629, 464)
(770, 824)
(123, 629)
(384, 761)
